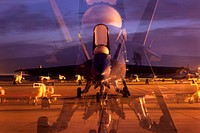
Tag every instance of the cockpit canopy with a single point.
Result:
(101, 35)
(101, 40)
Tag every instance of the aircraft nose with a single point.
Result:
(105, 73)
(101, 67)
(102, 74)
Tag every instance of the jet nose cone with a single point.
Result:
(104, 74)
(101, 74)
(101, 67)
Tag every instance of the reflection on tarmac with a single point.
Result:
(143, 112)
(105, 109)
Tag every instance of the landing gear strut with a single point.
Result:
(79, 92)
(125, 92)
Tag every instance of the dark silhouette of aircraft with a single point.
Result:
(102, 70)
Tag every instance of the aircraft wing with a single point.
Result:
(148, 70)
(71, 70)
(67, 71)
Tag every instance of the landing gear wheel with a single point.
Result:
(98, 97)
(125, 93)
(79, 92)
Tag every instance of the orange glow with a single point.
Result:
(198, 69)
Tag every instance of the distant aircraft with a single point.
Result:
(18, 78)
(36, 93)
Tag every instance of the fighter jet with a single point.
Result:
(103, 69)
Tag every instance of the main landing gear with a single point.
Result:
(79, 92)
(102, 94)
(125, 92)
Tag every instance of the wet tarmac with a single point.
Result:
(144, 111)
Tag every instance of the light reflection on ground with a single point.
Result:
(136, 113)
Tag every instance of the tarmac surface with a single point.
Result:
(144, 111)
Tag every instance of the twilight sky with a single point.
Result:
(28, 28)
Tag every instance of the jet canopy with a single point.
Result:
(101, 40)
(101, 35)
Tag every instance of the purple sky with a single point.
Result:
(28, 28)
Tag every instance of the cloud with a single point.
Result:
(166, 9)
(24, 49)
(32, 26)
(183, 9)
(19, 18)
(176, 41)
(175, 29)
